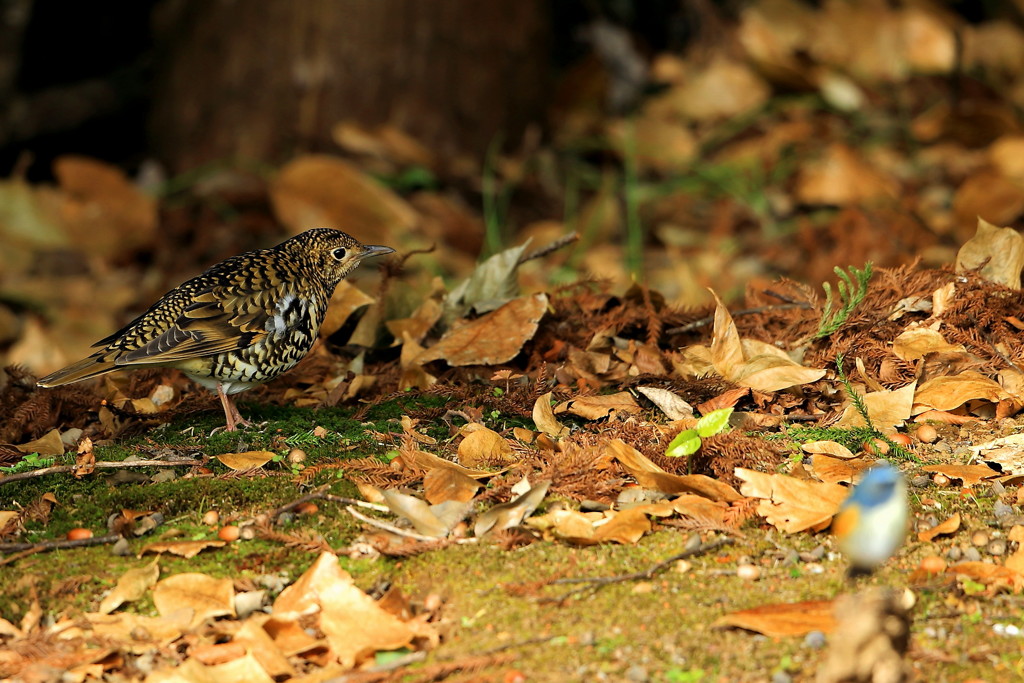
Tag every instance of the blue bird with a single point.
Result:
(872, 522)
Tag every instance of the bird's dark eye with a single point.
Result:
(339, 253)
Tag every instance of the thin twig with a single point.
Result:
(54, 545)
(596, 582)
(99, 465)
(689, 327)
(995, 349)
(554, 246)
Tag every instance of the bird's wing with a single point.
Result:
(217, 320)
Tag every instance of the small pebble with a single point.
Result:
(248, 532)
(815, 640)
(637, 674)
(122, 548)
(781, 677)
(296, 456)
(998, 488)
(814, 568)
(921, 481)
(972, 555)
(979, 538)
(954, 554)
(228, 533)
(996, 547)
(1011, 630)
(1001, 510)
(692, 543)
(791, 558)
(433, 602)
(211, 517)
(748, 572)
(933, 564)
(940, 480)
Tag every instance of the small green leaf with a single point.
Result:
(686, 443)
(714, 422)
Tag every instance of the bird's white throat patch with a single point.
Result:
(287, 313)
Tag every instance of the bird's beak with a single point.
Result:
(374, 250)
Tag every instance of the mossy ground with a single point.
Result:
(664, 625)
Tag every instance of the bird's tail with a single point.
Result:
(92, 366)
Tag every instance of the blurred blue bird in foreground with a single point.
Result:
(872, 522)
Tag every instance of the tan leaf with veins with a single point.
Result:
(792, 504)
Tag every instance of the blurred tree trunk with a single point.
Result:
(265, 79)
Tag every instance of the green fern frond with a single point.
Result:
(851, 293)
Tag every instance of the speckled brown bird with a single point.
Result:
(243, 322)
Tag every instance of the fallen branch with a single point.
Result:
(554, 246)
(595, 583)
(59, 469)
(31, 548)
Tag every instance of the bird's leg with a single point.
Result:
(231, 414)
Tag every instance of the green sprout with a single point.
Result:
(688, 441)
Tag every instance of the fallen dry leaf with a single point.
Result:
(1006, 453)
(599, 407)
(485, 447)
(545, 420)
(206, 596)
(352, 621)
(992, 575)
(835, 470)
(917, 342)
(103, 212)
(842, 176)
(949, 526)
(952, 391)
(670, 403)
(511, 514)
(493, 338)
(318, 189)
(140, 631)
(792, 504)
(346, 300)
(185, 549)
(836, 450)
(247, 460)
(998, 252)
(887, 409)
(781, 620)
(48, 444)
(649, 475)
(131, 586)
(435, 521)
(424, 462)
(625, 526)
(968, 474)
(442, 484)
